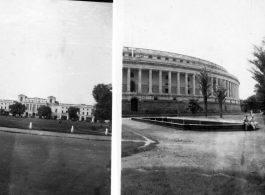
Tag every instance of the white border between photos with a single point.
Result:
(117, 34)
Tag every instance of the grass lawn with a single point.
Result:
(53, 125)
(190, 181)
(128, 135)
(45, 165)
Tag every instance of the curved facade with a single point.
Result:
(156, 80)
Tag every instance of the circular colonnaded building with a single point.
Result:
(156, 82)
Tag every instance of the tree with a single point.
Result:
(193, 106)
(72, 112)
(17, 108)
(258, 71)
(251, 103)
(220, 94)
(44, 111)
(103, 96)
(204, 81)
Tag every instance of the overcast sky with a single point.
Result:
(58, 48)
(220, 31)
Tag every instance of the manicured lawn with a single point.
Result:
(190, 181)
(53, 125)
(46, 165)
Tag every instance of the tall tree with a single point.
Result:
(204, 81)
(251, 103)
(258, 71)
(220, 94)
(72, 112)
(102, 94)
(17, 108)
(193, 106)
(44, 111)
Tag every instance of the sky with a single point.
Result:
(220, 31)
(55, 48)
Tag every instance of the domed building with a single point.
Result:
(163, 82)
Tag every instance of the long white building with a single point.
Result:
(59, 110)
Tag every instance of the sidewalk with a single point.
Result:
(56, 134)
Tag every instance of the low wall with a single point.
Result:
(171, 107)
(195, 125)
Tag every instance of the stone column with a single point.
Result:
(186, 83)
(140, 80)
(226, 84)
(150, 81)
(128, 80)
(169, 82)
(194, 86)
(216, 83)
(160, 81)
(212, 85)
(178, 84)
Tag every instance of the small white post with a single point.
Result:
(106, 132)
(72, 129)
(30, 125)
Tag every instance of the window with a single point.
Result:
(50, 100)
(130, 54)
(174, 59)
(87, 113)
(188, 62)
(66, 111)
(166, 58)
(83, 112)
(166, 83)
(21, 98)
(155, 98)
(174, 98)
(166, 90)
(181, 60)
(188, 91)
(55, 110)
(188, 78)
(62, 111)
(166, 76)
(132, 74)
(158, 57)
(149, 56)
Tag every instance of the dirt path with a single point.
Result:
(215, 150)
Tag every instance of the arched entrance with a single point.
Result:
(134, 105)
(133, 86)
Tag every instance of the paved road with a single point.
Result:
(46, 165)
(215, 150)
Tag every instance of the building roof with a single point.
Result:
(51, 97)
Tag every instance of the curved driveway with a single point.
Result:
(214, 150)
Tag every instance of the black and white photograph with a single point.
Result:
(193, 97)
(56, 97)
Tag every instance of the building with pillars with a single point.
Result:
(59, 110)
(157, 81)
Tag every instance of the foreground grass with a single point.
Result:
(45, 165)
(53, 125)
(130, 148)
(190, 181)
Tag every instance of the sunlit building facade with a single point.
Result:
(164, 82)
(59, 110)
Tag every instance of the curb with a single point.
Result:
(55, 134)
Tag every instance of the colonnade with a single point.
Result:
(232, 87)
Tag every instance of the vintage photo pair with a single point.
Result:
(185, 100)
